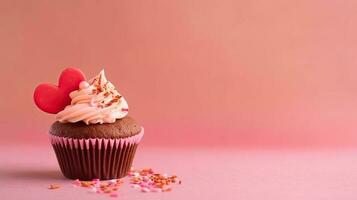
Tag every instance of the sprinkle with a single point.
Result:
(93, 190)
(145, 189)
(107, 190)
(144, 180)
(167, 190)
(76, 183)
(54, 186)
(86, 184)
(135, 186)
(114, 195)
(97, 184)
(109, 187)
(156, 190)
(104, 185)
(149, 181)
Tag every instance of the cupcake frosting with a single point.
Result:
(96, 101)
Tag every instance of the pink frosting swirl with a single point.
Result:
(96, 101)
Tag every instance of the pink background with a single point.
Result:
(249, 73)
(241, 99)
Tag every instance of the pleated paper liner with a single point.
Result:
(88, 159)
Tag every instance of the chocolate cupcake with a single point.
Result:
(93, 137)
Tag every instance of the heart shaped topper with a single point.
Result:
(51, 98)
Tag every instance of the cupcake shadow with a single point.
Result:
(31, 174)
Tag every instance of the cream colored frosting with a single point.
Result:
(96, 101)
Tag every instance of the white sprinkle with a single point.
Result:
(97, 185)
(156, 190)
(93, 190)
(145, 189)
(135, 186)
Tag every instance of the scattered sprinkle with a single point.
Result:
(148, 181)
(109, 187)
(54, 186)
(144, 180)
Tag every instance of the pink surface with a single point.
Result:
(26, 172)
(253, 73)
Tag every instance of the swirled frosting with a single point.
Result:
(96, 101)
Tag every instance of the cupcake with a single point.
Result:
(93, 136)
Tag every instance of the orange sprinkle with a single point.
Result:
(86, 184)
(102, 185)
(54, 186)
(107, 191)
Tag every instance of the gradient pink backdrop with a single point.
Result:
(225, 73)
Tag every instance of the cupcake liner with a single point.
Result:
(101, 158)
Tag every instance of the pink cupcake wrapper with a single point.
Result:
(101, 158)
(85, 143)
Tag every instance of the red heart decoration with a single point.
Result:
(51, 98)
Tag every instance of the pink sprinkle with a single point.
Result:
(93, 190)
(145, 189)
(114, 194)
(143, 184)
(156, 189)
(135, 186)
(124, 109)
